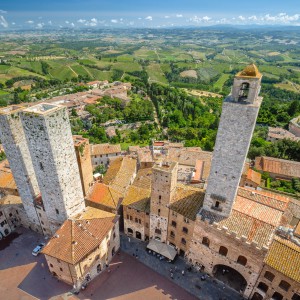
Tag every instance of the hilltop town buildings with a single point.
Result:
(204, 207)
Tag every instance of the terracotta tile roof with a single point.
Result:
(137, 197)
(187, 201)
(7, 180)
(284, 256)
(120, 174)
(254, 176)
(103, 149)
(77, 238)
(143, 178)
(10, 199)
(297, 230)
(145, 155)
(278, 166)
(189, 157)
(280, 133)
(273, 200)
(254, 216)
(105, 195)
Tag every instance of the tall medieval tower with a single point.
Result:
(239, 113)
(14, 143)
(51, 146)
(164, 181)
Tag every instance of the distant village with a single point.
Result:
(211, 208)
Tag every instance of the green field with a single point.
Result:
(155, 74)
(220, 82)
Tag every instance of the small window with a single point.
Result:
(130, 218)
(277, 296)
(296, 297)
(223, 251)
(57, 212)
(140, 222)
(217, 205)
(205, 241)
(61, 269)
(157, 231)
(263, 287)
(284, 285)
(270, 276)
(183, 241)
(136, 220)
(172, 234)
(185, 230)
(242, 260)
(51, 266)
(17, 212)
(159, 197)
(114, 235)
(174, 224)
(127, 217)
(158, 212)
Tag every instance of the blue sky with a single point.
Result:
(150, 13)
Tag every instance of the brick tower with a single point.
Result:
(51, 146)
(239, 113)
(164, 180)
(14, 142)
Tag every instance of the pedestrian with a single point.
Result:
(182, 272)
(171, 270)
(175, 268)
(129, 239)
(223, 271)
(172, 276)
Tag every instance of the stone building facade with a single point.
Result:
(51, 146)
(89, 242)
(14, 142)
(162, 192)
(238, 119)
(83, 155)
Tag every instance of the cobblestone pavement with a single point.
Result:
(210, 289)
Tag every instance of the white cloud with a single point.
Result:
(67, 22)
(253, 18)
(3, 11)
(149, 18)
(241, 18)
(82, 21)
(72, 24)
(50, 23)
(40, 25)
(179, 16)
(206, 18)
(131, 23)
(13, 23)
(30, 22)
(114, 21)
(167, 17)
(139, 18)
(94, 20)
(3, 22)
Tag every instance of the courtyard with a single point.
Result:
(24, 276)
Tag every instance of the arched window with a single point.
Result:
(244, 91)
(172, 234)
(263, 287)
(296, 297)
(174, 224)
(158, 231)
(185, 230)
(284, 285)
(242, 260)
(270, 276)
(183, 241)
(129, 230)
(277, 296)
(223, 251)
(205, 241)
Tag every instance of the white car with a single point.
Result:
(38, 249)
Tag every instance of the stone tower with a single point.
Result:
(51, 146)
(83, 155)
(239, 113)
(164, 181)
(14, 142)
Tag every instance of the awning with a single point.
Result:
(163, 249)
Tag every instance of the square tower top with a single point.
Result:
(43, 109)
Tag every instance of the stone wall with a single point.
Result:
(209, 257)
(232, 144)
(52, 150)
(15, 146)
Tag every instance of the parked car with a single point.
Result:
(38, 249)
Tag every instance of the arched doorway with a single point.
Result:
(130, 231)
(113, 251)
(230, 277)
(138, 235)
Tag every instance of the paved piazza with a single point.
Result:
(25, 277)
